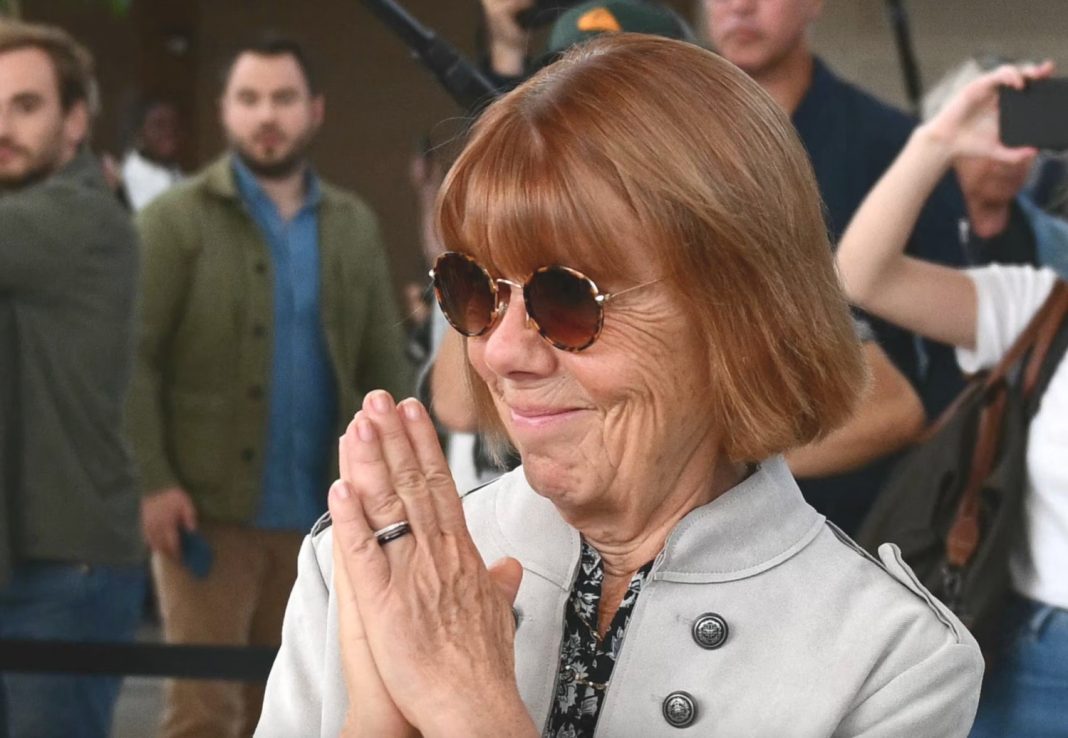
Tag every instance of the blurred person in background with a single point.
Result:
(851, 138)
(70, 554)
(1004, 224)
(268, 310)
(889, 416)
(151, 167)
(981, 311)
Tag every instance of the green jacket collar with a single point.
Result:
(219, 180)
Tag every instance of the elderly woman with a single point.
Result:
(639, 263)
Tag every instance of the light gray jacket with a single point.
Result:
(822, 639)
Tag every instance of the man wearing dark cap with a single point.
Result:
(507, 42)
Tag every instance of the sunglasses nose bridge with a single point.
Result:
(505, 287)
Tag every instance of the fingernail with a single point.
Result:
(380, 402)
(412, 409)
(341, 490)
(365, 430)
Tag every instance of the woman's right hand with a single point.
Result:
(968, 123)
(372, 712)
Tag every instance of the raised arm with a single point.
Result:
(934, 301)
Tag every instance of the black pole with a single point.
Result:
(899, 22)
(460, 78)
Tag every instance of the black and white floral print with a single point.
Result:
(586, 661)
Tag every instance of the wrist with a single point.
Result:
(936, 143)
(502, 717)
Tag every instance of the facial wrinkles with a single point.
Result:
(657, 406)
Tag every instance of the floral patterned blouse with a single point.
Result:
(586, 661)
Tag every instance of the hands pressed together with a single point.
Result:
(426, 629)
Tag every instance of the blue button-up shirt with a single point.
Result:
(302, 394)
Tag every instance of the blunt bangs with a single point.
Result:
(522, 197)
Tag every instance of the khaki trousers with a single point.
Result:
(240, 602)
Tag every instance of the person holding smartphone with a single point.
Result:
(981, 311)
(1004, 224)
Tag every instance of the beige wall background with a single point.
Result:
(855, 37)
(380, 102)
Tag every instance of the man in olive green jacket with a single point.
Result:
(267, 313)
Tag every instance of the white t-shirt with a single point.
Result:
(1008, 296)
(146, 180)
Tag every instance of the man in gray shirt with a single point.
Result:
(70, 568)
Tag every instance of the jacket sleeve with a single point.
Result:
(936, 698)
(293, 702)
(382, 362)
(167, 262)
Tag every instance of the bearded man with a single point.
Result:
(70, 554)
(267, 313)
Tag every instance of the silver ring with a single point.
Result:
(392, 532)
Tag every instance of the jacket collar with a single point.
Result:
(752, 527)
(219, 179)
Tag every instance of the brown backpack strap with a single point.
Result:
(1058, 308)
(963, 538)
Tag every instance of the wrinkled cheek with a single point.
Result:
(632, 433)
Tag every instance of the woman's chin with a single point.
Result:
(550, 476)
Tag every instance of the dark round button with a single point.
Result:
(710, 631)
(680, 709)
(248, 454)
(260, 267)
(255, 392)
(259, 331)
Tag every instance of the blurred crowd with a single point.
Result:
(179, 351)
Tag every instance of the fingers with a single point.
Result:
(189, 513)
(507, 574)
(364, 559)
(424, 441)
(404, 471)
(160, 522)
(365, 469)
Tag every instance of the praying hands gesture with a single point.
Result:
(426, 629)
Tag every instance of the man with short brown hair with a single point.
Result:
(68, 264)
(268, 312)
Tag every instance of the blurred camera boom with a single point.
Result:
(460, 78)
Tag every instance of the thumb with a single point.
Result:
(189, 516)
(507, 573)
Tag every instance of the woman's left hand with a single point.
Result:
(438, 623)
(968, 123)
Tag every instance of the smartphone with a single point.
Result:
(197, 555)
(1036, 115)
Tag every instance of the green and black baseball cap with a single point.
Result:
(589, 19)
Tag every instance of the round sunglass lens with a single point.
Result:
(465, 293)
(564, 306)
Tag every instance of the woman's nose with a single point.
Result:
(514, 344)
